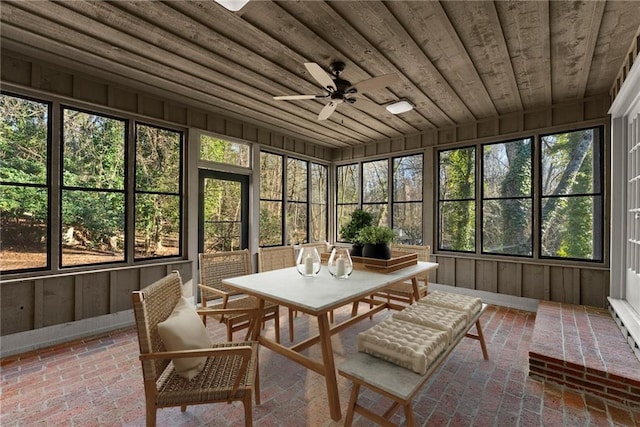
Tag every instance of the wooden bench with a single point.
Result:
(398, 383)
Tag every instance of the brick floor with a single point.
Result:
(98, 382)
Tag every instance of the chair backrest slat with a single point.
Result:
(424, 252)
(214, 267)
(274, 258)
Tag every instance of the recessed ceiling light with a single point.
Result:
(399, 107)
(232, 5)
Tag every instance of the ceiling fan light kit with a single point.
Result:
(339, 90)
(400, 107)
(232, 5)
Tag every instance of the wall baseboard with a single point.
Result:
(24, 342)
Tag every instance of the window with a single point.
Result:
(406, 217)
(456, 199)
(569, 201)
(271, 205)
(158, 192)
(221, 151)
(305, 201)
(507, 204)
(318, 208)
(24, 183)
(87, 205)
(296, 201)
(375, 191)
(93, 188)
(347, 194)
(572, 200)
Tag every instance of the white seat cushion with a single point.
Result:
(183, 330)
(470, 305)
(441, 318)
(405, 344)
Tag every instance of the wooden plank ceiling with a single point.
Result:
(458, 62)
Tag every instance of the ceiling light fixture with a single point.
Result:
(400, 107)
(232, 5)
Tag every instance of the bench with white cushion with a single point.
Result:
(396, 357)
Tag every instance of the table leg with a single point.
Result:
(329, 366)
(416, 290)
(258, 324)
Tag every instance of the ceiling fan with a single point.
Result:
(338, 90)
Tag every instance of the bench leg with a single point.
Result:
(355, 390)
(485, 354)
(408, 414)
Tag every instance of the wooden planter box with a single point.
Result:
(397, 261)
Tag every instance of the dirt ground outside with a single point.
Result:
(17, 260)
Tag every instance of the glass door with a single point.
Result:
(223, 206)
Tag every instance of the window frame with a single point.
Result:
(473, 199)
(281, 200)
(179, 194)
(358, 170)
(48, 185)
(599, 235)
(598, 241)
(285, 201)
(483, 198)
(124, 191)
(54, 187)
(392, 197)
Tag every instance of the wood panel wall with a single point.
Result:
(41, 301)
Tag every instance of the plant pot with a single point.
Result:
(379, 251)
(356, 250)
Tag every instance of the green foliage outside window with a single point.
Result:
(456, 194)
(221, 151)
(93, 191)
(157, 200)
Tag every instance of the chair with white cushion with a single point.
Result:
(180, 365)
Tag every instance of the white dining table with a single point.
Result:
(317, 296)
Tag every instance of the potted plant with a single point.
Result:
(349, 231)
(376, 241)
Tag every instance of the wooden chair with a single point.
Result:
(403, 291)
(230, 372)
(322, 247)
(214, 267)
(274, 258)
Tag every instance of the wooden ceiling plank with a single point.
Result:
(570, 32)
(434, 34)
(595, 22)
(56, 52)
(341, 40)
(377, 28)
(232, 93)
(169, 72)
(526, 31)
(175, 51)
(237, 30)
(321, 50)
(619, 24)
(478, 27)
(203, 45)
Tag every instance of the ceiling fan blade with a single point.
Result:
(320, 75)
(375, 83)
(295, 97)
(369, 107)
(328, 110)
